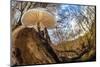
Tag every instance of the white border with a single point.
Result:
(85, 2)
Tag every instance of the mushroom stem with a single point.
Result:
(43, 33)
(47, 35)
(38, 27)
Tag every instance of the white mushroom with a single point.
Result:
(38, 16)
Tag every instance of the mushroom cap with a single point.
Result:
(38, 15)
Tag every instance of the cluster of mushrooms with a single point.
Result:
(25, 47)
(38, 17)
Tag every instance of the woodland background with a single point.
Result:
(74, 44)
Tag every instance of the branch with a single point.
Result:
(79, 55)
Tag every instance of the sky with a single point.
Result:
(67, 21)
